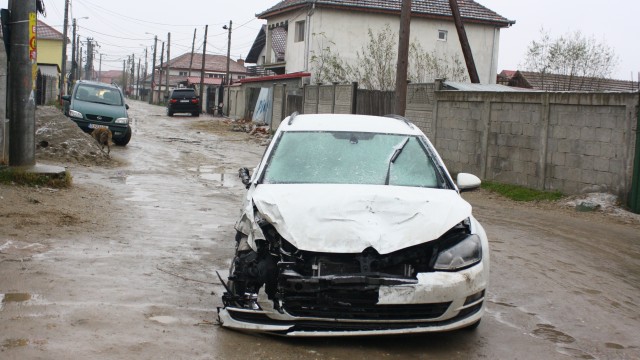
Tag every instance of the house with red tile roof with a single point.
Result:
(298, 29)
(555, 82)
(184, 71)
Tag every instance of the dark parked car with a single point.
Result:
(183, 100)
(94, 105)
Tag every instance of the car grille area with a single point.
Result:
(99, 118)
(354, 310)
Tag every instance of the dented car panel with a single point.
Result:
(351, 225)
(351, 218)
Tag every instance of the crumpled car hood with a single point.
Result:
(351, 218)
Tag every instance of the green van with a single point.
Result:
(95, 105)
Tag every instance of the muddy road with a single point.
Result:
(122, 266)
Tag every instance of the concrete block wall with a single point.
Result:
(458, 133)
(329, 99)
(571, 142)
(591, 146)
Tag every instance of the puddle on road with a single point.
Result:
(15, 297)
(549, 332)
(217, 175)
(164, 319)
(18, 298)
(14, 343)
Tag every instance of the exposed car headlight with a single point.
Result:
(461, 255)
(75, 114)
(122, 121)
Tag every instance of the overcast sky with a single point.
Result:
(120, 26)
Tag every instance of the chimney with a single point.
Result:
(240, 62)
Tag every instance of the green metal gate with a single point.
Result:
(634, 199)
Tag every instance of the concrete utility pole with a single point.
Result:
(63, 69)
(166, 90)
(132, 72)
(88, 75)
(161, 73)
(74, 64)
(204, 52)
(153, 68)
(124, 76)
(228, 79)
(464, 42)
(403, 58)
(22, 67)
(144, 71)
(138, 81)
(193, 47)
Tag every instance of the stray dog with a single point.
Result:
(103, 137)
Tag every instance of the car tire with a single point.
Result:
(197, 113)
(170, 113)
(123, 141)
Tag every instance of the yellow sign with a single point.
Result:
(33, 48)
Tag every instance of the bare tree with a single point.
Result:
(328, 67)
(426, 67)
(375, 65)
(574, 55)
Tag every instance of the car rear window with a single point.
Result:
(186, 93)
(351, 158)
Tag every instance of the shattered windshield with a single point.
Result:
(351, 158)
(97, 94)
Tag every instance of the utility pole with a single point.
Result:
(79, 68)
(161, 73)
(63, 66)
(144, 71)
(138, 82)
(22, 65)
(74, 64)
(204, 52)
(124, 76)
(193, 46)
(464, 42)
(100, 69)
(132, 76)
(228, 79)
(88, 75)
(153, 68)
(403, 58)
(166, 95)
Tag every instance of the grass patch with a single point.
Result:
(21, 177)
(521, 193)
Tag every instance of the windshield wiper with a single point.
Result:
(396, 152)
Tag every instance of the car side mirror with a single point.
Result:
(66, 97)
(468, 182)
(126, 106)
(243, 173)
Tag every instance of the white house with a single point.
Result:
(297, 29)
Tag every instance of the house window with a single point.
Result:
(182, 73)
(210, 75)
(300, 31)
(442, 35)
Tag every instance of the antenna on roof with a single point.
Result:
(401, 118)
(292, 117)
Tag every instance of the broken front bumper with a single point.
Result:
(438, 301)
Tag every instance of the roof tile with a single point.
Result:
(469, 9)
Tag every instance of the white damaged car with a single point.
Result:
(352, 225)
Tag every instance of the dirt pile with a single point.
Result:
(59, 139)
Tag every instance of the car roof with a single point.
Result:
(348, 122)
(96, 83)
